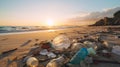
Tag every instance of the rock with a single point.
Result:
(109, 21)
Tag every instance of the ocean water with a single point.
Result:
(8, 29)
(27, 29)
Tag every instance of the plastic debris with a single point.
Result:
(82, 64)
(44, 52)
(74, 40)
(104, 51)
(32, 62)
(116, 50)
(25, 58)
(76, 46)
(89, 44)
(46, 45)
(58, 62)
(79, 56)
(89, 59)
(105, 43)
(91, 51)
(75, 53)
(51, 55)
(61, 42)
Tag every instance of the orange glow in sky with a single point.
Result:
(35, 12)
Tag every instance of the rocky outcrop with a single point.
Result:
(109, 21)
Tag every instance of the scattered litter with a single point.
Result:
(89, 59)
(116, 50)
(76, 46)
(27, 42)
(61, 42)
(79, 56)
(32, 62)
(65, 52)
(105, 43)
(58, 62)
(44, 52)
(46, 45)
(91, 51)
(104, 51)
(89, 44)
(51, 55)
(74, 40)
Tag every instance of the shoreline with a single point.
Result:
(33, 31)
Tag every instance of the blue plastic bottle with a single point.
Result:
(79, 56)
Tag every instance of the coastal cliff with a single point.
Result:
(109, 21)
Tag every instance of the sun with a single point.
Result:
(50, 22)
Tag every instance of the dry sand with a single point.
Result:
(8, 42)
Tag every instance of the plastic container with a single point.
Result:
(32, 62)
(79, 56)
(61, 42)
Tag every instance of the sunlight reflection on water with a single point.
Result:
(11, 33)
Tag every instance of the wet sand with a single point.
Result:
(8, 42)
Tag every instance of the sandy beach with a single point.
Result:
(8, 42)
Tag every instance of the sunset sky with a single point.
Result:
(59, 12)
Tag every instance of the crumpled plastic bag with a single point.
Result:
(61, 42)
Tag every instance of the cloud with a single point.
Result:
(94, 16)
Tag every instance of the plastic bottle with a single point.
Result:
(79, 56)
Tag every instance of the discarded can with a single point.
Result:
(32, 62)
(79, 56)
